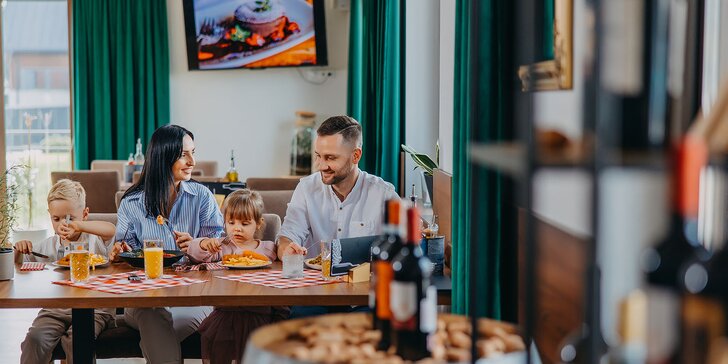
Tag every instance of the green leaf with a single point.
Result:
(422, 160)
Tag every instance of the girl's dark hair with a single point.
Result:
(156, 179)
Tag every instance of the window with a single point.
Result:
(37, 99)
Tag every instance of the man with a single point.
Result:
(339, 201)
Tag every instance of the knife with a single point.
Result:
(39, 255)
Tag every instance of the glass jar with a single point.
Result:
(302, 144)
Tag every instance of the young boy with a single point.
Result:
(65, 199)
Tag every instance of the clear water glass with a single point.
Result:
(293, 266)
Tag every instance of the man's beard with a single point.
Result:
(337, 178)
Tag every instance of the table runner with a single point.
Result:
(119, 283)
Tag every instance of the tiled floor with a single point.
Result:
(14, 324)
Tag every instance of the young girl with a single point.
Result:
(225, 332)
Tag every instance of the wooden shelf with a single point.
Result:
(511, 158)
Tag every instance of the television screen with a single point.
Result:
(224, 34)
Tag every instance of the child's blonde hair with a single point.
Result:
(245, 205)
(68, 190)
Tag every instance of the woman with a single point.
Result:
(189, 211)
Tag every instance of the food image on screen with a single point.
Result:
(252, 33)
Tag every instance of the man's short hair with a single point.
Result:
(68, 190)
(348, 127)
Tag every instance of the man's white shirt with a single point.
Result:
(316, 213)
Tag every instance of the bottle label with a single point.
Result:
(404, 304)
(428, 310)
(384, 274)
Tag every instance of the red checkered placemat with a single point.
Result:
(120, 283)
(275, 279)
(32, 266)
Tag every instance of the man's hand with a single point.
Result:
(294, 248)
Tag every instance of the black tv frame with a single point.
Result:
(319, 26)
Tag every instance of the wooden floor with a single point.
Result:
(15, 323)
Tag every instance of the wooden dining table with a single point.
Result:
(34, 289)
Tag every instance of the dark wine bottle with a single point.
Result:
(383, 251)
(413, 297)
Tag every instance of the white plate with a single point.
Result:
(295, 10)
(231, 266)
(312, 266)
(102, 265)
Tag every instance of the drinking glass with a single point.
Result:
(293, 266)
(326, 260)
(153, 259)
(80, 261)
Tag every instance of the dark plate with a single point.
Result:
(136, 258)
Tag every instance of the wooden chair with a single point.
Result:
(272, 183)
(207, 168)
(100, 186)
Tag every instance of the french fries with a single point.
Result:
(249, 258)
(95, 260)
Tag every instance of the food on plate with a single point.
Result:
(350, 339)
(95, 260)
(250, 26)
(261, 16)
(315, 261)
(249, 258)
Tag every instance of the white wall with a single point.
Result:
(252, 111)
(447, 83)
(422, 84)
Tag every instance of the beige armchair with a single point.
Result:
(100, 186)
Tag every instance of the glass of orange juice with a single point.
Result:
(80, 262)
(153, 259)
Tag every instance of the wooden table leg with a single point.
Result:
(84, 340)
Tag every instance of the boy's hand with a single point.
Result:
(118, 248)
(68, 230)
(211, 245)
(24, 247)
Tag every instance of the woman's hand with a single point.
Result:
(211, 245)
(117, 249)
(183, 240)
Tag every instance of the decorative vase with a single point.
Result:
(7, 264)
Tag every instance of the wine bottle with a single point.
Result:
(704, 283)
(413, 297)
(383, 254)
(138, 156)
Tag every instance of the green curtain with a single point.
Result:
(477, 193)
(120, 76)
(548, 31)
(374, 83)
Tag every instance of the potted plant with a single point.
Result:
(425, 163)
(8, 216)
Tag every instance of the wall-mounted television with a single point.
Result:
(225, 34)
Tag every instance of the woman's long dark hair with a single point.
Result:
(156, 179)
